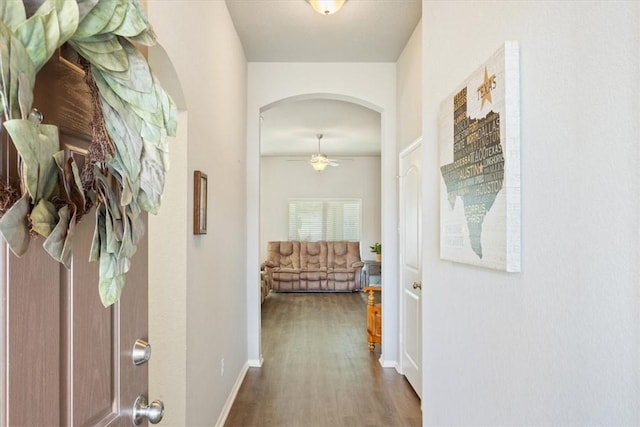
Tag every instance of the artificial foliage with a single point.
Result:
(124, 172)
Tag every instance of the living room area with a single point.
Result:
(302, 202)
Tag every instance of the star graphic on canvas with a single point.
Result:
(486, 88)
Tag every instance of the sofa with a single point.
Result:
(323, 266)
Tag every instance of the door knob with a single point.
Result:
(141, 352)
(153, 412)
(417, 285)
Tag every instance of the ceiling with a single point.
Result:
(291, 31)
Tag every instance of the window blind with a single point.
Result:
(325, 219)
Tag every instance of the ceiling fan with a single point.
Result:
(319, 161)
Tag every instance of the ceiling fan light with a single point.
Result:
(318, 166)
(326, 7)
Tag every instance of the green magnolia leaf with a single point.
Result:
(25, 94)
(94, 253)
(137, 76)
(128, 246)
(71, 181)
(32, 35)
(36, 144)
(146, 38)
(108, 45)
(68, 18)
(12, 13)
(151, 184)
(127, 191)
(14, 226)
(145, 104)
(127, 141)
(59, 242)
(135, 21)
(138, 227)
(114, 230)
(118, 17)
(110, 287)
(76, 192)
(153, 134)
(85, 7)
(14, 61)
(113, 61)
(22, 78)
(96, 19)
(44, 218)
(51, 26)
(95, 38)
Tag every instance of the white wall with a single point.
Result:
(557, 344)
(374, 86)
(409, 90)
(201, 41)
(281, 179)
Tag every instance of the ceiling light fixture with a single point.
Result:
(318, 166)
(319, 161)
(326, 7)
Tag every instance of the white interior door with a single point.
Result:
(411, 262)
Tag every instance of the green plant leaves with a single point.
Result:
(14, 226)
(43, 218)
(36, 144)
(138, 116)
(17, 75)
(12, 13)
(96, 19)
(51, 25)
(59, 242)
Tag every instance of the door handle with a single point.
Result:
(153, 411)
(417, 285)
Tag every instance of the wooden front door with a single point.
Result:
(67, 360)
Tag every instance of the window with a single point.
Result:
(324, 219)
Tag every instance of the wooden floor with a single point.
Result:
(318, 371)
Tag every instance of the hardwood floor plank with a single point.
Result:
(318, 370)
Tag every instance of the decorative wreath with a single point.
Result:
(124, 172)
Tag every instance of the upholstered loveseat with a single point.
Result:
(324, 266)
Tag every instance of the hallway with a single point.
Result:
(318, 370)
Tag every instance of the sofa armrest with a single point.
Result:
(270, 264)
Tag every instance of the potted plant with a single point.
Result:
(376, 248)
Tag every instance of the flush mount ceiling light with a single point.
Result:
(326, 7)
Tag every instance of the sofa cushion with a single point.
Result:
(284, 254)
(343, 254)
(313, 255)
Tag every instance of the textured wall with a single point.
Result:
(209, 297)
(409, 91)
(557, 344)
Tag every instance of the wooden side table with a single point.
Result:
(374, 317)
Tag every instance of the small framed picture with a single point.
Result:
(199, 203)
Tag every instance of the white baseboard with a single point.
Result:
(389, 363)
(232, 396)
(255, 363)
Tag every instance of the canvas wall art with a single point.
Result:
(479, 141)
